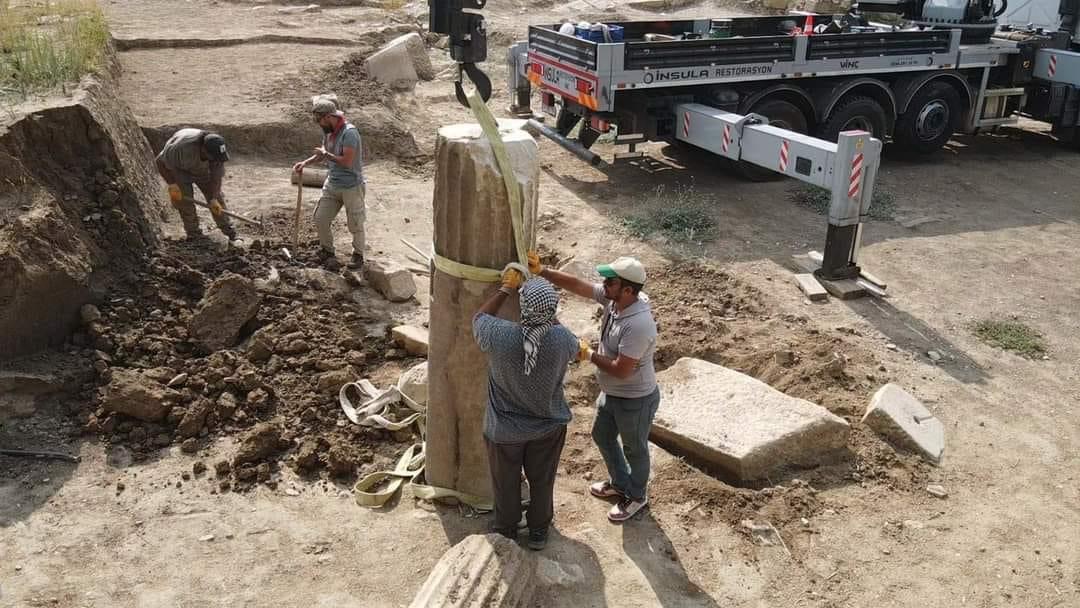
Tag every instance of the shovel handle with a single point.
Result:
(299, 205)
(235, 216)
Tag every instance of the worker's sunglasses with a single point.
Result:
(610, 281)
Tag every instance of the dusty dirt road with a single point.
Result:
(1003, 242)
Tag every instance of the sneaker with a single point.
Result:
(196, 235)
(604, 489)
(538, 539)
(356, 262)
(626, 508)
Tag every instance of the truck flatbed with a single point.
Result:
(914, 85)
(754, 51)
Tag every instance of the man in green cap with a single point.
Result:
(629, 394)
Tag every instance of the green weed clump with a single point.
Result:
(882, 203)
(1011, 335)
(48, 44)
(683, 215)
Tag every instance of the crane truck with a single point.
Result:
(951, 67)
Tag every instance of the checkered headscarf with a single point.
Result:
(538, 303)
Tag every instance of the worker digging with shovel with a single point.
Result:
(344, 185)
(193, 157)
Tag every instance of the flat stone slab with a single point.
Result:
(401, 63)
(903, 420)
(811, 287)
(413, 339)
(740, 425)
(389, 279)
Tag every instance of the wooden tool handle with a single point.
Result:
(299, 204)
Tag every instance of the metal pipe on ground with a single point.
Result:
(575, 148)
(40, 454)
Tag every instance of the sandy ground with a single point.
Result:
(1003, 242)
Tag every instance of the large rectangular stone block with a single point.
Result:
(741, 426)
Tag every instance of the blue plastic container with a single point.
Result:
(616, 32)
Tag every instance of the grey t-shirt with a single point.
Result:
(182, 153)
(521, 408)
(631, 332)
(339, 177)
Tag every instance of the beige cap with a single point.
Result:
(324, 104)
(625, 268)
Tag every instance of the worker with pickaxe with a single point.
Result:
(344, 185)
(195, 157)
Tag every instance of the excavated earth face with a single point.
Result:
(77, 211)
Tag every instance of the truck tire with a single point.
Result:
(782, 114)
(931, 118)
(862, 113)
(565, 121)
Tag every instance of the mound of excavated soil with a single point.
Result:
(369, 105)
(78, 210)
(708, 314)
(276, 391)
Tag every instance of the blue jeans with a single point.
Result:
(627, 419)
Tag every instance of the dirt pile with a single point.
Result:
(78, 210)
(276, 391)
(368, 104)
(707, 313)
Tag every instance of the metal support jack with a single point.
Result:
(847, 169)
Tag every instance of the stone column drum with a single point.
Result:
(472, 226)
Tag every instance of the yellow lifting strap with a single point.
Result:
(410, 467)
(490, 127)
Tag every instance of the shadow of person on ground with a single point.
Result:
(568, 574)
(646, 543)
(568, 571)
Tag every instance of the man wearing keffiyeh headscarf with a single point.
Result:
(538, 303)
(526, 416)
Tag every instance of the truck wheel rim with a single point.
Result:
(932, 120)
(859, 123)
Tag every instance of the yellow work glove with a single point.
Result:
(216, 208)
(584, 350)
(512, 278)
(534, 263)
(175, 195)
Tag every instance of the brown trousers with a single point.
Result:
(540, 459)
(187, 210)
